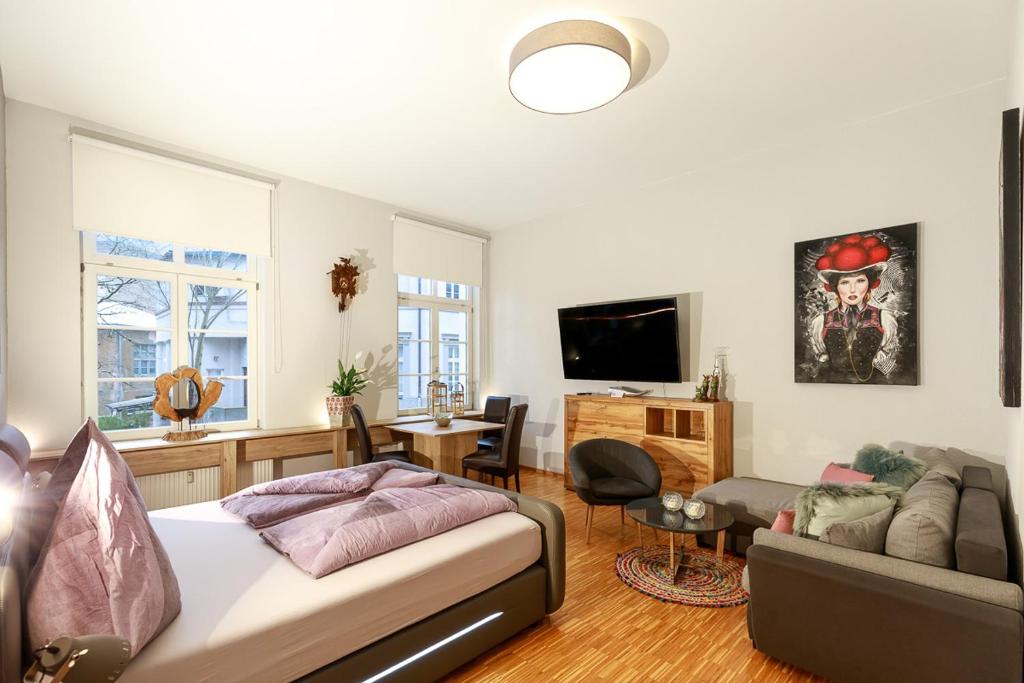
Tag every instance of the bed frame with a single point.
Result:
(424, 651)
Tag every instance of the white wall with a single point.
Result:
(1015, 98)
(317, 225)
(3, 253)
(728, 232)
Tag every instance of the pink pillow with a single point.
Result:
(844, 475)
(404, 479)
(784, 521)
(102, 568)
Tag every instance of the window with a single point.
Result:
(435, 320)
(150, 307)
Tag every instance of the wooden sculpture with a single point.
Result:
(190, 402)
(344, 278)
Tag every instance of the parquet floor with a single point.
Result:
(606, 631)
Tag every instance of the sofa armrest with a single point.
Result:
(851, 624)
(999, 593)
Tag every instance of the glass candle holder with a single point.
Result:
(672, 501)
(694, 508)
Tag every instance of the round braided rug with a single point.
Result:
(702, 581)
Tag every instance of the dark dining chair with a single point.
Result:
(366, 453)
(612, 472)
(503, 461)
(495, 410)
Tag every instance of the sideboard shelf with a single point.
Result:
(691, 441)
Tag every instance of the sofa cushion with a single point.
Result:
(924, 526)
(838, 474)
(867, 533)
(823, 504)
(784, 521)
(752, 501)
(960, 459)
(978, 478)
(888, 466)
(619, 487)
(980, 544)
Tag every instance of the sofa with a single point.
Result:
(851, 615)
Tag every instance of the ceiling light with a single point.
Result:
(569, 67)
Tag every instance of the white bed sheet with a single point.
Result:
(249, 614)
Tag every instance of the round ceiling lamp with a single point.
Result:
(569, 67)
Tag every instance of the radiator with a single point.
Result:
(192, 486)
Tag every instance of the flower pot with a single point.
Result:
(338, 409)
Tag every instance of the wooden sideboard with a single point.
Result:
(690, 441)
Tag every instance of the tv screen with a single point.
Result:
(627, 341)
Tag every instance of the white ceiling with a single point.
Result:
(406, 101)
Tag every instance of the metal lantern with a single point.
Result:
(438, 397)
(459, 399)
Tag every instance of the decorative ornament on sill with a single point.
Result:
(458, 399)
(344, 281)
(180, 396)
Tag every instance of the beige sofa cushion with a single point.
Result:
(867, 533)
(924, 527)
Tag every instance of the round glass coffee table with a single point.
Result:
(650, 512)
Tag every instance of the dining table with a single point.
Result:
(445, 447)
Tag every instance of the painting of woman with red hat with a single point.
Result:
(856, 308)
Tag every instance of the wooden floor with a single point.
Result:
(606, 631)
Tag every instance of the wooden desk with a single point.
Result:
(445, 447)
(235, 452)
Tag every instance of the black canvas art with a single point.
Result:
(1010, 261)
(856, 308)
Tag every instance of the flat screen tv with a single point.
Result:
(627, 341)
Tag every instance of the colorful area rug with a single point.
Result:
(702, 581)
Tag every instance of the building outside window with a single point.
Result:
(150, 307)
(435, 323)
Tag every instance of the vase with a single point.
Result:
(338, 409)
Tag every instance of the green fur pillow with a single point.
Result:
(823, 504)
(889, 467)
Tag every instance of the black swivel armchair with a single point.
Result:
(503, 462)
(366, 453)
(612, 472)
(495, 410)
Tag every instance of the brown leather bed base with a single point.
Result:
(520, 601)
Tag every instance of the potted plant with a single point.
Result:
(343, 393)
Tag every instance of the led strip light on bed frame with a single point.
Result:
(426, 651)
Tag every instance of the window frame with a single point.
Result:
(436, 303)
(178, 281)
(176, 265)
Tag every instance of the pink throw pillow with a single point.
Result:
(844, 475)
(404, 479)
(102, 568)
(784, 521)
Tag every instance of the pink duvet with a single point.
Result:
(326, 540)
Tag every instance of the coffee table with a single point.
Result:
(650, 512)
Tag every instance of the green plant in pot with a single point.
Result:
(343, 393)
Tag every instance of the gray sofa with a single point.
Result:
(851, 615)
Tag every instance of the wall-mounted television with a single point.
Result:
(627, 341)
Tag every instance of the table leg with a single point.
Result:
(640, 533)
(339, 449)
(228, 468)
(720, 550)
(673, 562)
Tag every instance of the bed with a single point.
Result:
(249, 614)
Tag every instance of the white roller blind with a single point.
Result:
(130, 192)
(437, 253)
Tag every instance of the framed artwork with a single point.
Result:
(856, 308)
(1010, 260)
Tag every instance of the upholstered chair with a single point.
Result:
(495, 410)
(612, 472)
(503, 461)
(366, 453)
